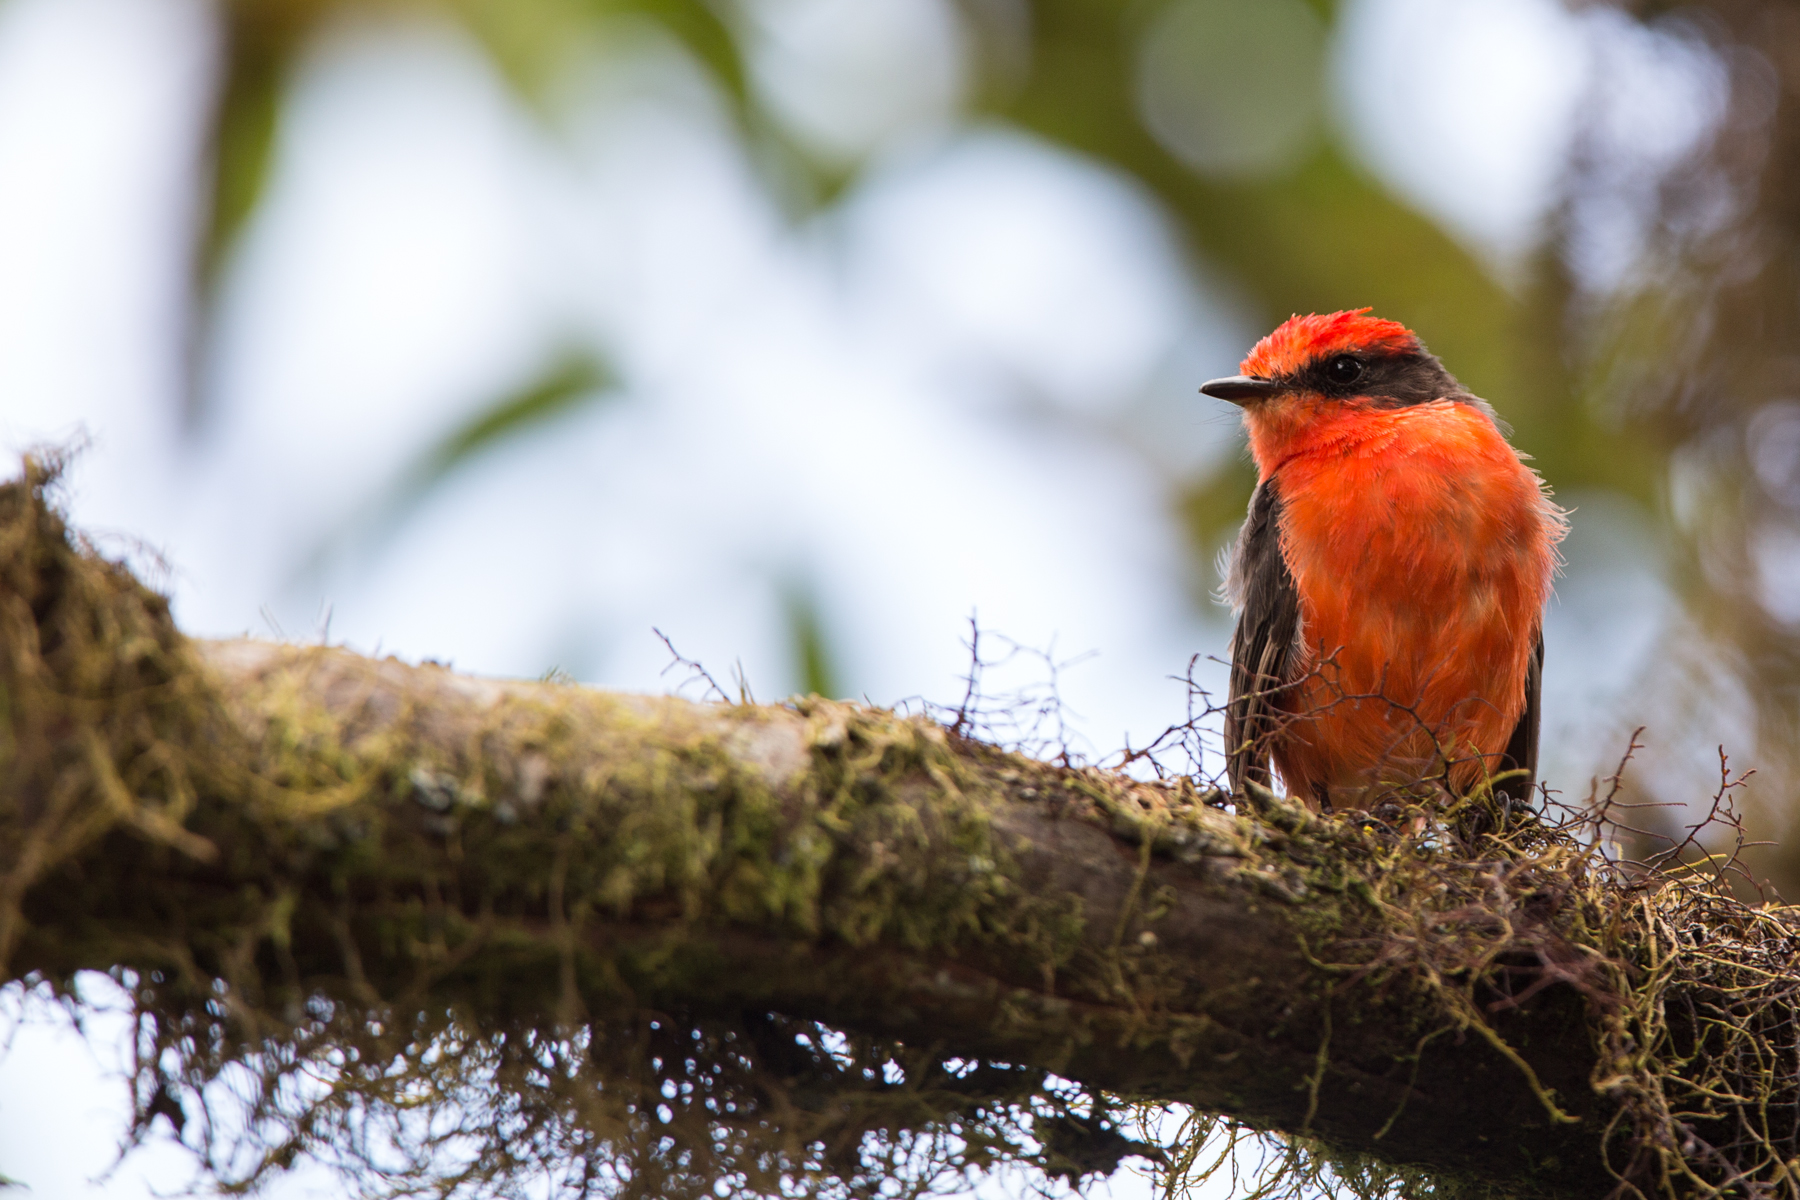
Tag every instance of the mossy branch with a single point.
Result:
(280, 847)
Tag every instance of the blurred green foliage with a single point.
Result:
(1317, 234)
(818, 672)
(571, 382)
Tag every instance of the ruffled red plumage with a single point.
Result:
(1422, 551)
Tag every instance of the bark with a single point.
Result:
(1188, 971)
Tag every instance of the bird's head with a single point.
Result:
(1315, 371)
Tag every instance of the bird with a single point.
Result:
(1389, 580)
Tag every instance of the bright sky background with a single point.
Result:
(966, 390)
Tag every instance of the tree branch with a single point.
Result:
(306, 821)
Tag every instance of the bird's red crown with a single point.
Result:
(1300, 340)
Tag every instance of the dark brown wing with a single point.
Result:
(1263, 646)
(1522, 748)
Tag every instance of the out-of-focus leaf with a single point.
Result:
(813, 661)
(529, 40)
(532, 40)
(259, 41)
(699, 27)
(572, 382)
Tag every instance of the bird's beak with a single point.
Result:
(1240, 389)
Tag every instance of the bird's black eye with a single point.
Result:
(1343, 369)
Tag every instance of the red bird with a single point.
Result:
(1391, 577)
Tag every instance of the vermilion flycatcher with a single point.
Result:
(1390, 580)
